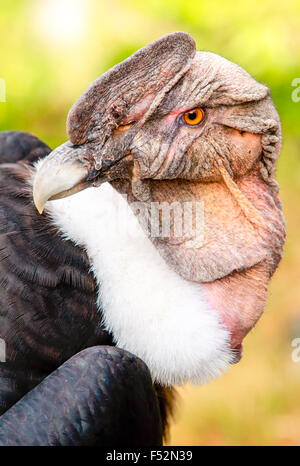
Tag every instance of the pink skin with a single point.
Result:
(138, 110)
(171, 117)
(240, 297)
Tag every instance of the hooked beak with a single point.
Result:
(65, 171)
(70, 169)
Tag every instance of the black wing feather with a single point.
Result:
(19, 145)
(46, 314)
(102, 396)
(48, 309)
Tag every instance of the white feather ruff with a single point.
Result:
(150, 310)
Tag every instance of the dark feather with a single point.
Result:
(101, 396)
(18, 145)
(48, 295)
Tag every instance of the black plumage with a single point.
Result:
(48, 314)
(102, 396)
(19, 145)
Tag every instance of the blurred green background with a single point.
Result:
(50, 52)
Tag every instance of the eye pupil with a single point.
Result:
(192, 115)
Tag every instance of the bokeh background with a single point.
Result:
(51, 50)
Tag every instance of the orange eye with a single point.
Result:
(194, 116)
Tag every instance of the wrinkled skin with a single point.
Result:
(147, 151)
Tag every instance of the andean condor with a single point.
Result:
(167, 131)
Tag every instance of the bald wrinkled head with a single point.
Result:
(136, 126)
